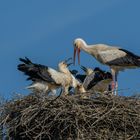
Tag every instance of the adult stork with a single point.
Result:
(116, 58)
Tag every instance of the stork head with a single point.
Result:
(64, 64)
(78, 45)
(87, 71)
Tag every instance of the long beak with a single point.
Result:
(83, 68)
(76, 50)
(74, 56)
(68, 60)
(69, 64)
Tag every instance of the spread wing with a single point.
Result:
(37, 72)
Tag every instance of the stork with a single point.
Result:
(94, 78)
(78, 87)
(81, 77)
(101, 86)
(116, 58)
(46, 79)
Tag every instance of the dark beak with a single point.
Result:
(83, 68)
(68, 60)
(69, 64)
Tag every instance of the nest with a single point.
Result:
(71, 118)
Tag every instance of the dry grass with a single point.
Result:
(72, 118)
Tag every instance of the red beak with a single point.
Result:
(74, 56)
(76, 50)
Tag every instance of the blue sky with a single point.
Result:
(44, 30)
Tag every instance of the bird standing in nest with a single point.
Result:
(116, 58)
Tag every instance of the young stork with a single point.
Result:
(81, 77)
(46, 79)
(96, 77)
(70, 79)
(116, 58)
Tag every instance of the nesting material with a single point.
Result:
(99, 117)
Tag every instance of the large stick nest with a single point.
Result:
(71, 118)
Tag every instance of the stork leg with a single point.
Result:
(113, 84)
(116, 84)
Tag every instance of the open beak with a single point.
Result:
(83, 68)
(69, 64)
(76, 50)
(66, 61)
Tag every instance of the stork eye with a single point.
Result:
(75, 44)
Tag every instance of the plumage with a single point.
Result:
(74, 72)
(93, 77)
(96, 76)
(81, 77)
(118, 59)
(35, 72)
(46, 79)
(101, 86)
(40, 75)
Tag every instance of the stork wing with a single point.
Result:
(74, 72)
(80, 77)
(97, 77)
(51, 75)
(47, 74)
(88, 80)
(119, 57)
(101, 86)
(36, 72)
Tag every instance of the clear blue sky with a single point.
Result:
(44, 30)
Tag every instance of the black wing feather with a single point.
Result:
(35, 71)
(129, 60)
(130, 53)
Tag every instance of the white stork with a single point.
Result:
(116, 58)
(46, 79)
(69, 78)
(96, 80)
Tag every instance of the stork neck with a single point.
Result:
(91, 49)
(64, 70)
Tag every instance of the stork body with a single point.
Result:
(46, 79)
(101, 86)
(96, 80)
(116, 58)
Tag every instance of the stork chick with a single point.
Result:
(94, 78)
(46, 79)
